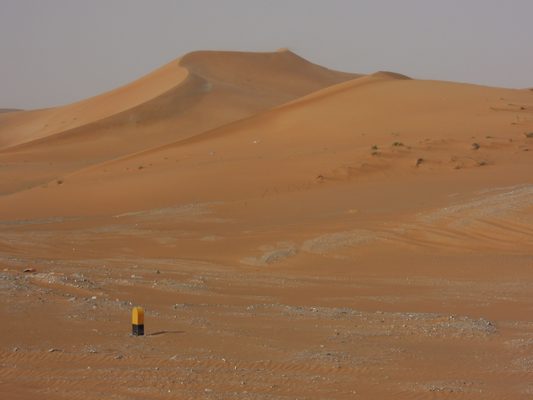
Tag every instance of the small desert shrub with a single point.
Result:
(374, 153)
(141, 167)
(59, 181)
(488, 137)
(397, 144)
(529, 135)
(375, 147)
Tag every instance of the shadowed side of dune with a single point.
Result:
(35, 124)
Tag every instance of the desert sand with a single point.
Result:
(290, 231)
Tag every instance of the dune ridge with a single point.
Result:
(190, 95)
(346, 117)
(188, 75)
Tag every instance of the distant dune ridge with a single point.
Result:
(238, 84)
(9, 110)
(188, 96)
(224, 102)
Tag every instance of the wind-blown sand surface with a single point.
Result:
(291, 231)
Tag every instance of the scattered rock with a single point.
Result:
(31, 270)
(52, 350)
(475, 146)
(419, 161)
(118, 357)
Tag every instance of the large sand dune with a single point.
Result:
(292, 231)
(188, 96)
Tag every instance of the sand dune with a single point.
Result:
(42, 123)
(188, 96)
(292, 232)
(327, 134)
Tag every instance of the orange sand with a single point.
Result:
(291, 231)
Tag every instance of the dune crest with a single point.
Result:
(193, 94)
(394, 75)
(298, 138)
(36, 124)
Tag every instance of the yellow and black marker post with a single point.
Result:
(137, 321)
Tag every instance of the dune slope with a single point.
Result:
(416, 128)
(192, 94)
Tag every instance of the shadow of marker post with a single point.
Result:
(137, 322)
(164, 332)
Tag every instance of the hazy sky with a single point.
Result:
(56, 52)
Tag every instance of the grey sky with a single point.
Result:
(56, 52)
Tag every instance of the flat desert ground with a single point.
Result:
(291, 232)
